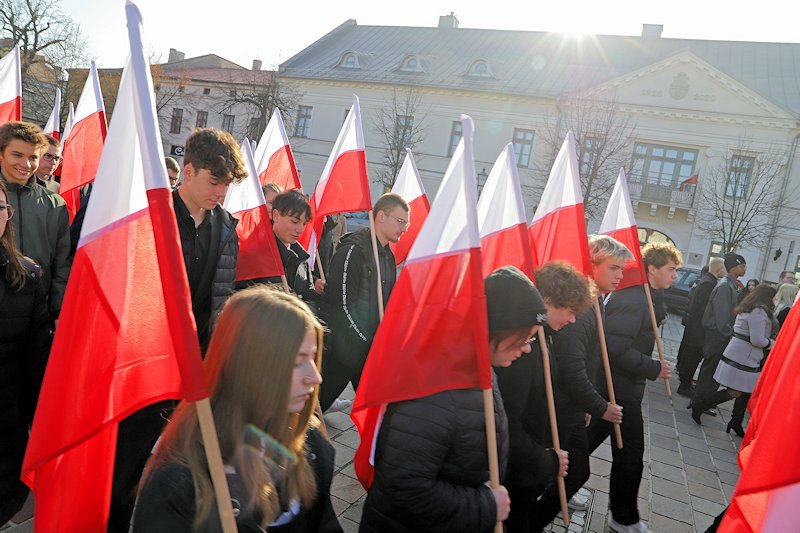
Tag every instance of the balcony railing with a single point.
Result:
(668, 195)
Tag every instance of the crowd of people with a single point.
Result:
(276, 359)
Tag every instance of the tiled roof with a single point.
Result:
(535, 63)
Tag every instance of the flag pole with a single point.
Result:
(655, 332)
(607, 367)
(377, 263)
(551, 408)
(214, 458)
(491, 445)
(319, 266)
(285, 283)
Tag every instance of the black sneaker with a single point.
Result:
(686, 390)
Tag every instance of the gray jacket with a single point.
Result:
(718, 315)
(756, 325)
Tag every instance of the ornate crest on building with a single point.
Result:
(679, 87)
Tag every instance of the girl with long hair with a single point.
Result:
(24, 347)
(740, 366)
(262, 366)
(784, 299)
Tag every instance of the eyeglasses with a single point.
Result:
(402, 222)
(51, 157)
(7, 209)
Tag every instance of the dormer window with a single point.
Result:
(411, 64)
(349, 60)
(481, 69)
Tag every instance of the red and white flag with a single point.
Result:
(619, 223)
(691, 180)
(344, 184)
(409, 186)
(126, 337)
(558, 228)
(435, 334)
(68, 123)
(768, 490)
(84, 144)
(53, 126)
(273, 156)
(258, 251)
(502, 220)
(10, 87)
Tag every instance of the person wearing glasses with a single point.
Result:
(48, 164)
(24, 347)
(352, 296)
(41, 226)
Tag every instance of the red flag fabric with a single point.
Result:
(53, 126)
(501, 218)
(558, 228)
(84, 144)
(434, 336)
(409, 186)
(10, 87)
(692, 180)
(258, 251)
(126, 336)
(273, 156)
(768, 489)
(619, 223)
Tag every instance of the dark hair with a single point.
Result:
(659, 253)
(292, 204)
(704, 270)
(752, 280)
(16, 275)
(389, 201)
(215, 150)
(564, 286)
(761, 296)
(24, 131)
(52, 141)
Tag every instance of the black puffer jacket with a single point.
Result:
(577, 351)
(431, 465)
(352, 295)
(166, 503)
(694, 334)
(630, 339)
(24, 347)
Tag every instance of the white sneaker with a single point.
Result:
(638, 527)
(339, 404)
(577, 504)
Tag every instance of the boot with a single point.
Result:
(701, 404)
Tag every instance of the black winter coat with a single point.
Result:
(630, 339)
(352, 295)
(694, 334)
(24, 347)
(522, 385)
(166, 502)
(577, 351)
(431, 466)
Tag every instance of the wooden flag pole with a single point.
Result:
(607, 367)
(285, 284)
(377, 264)
(214, 458)
(319, 267)
(658, 337)
(491, 446)
(551, 409)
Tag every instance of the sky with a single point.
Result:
(274, 31)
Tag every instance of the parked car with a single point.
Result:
(676, 297)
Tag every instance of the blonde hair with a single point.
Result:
(603, 247)
(785, 296)
(249, 368)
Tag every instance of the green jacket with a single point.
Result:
(41, 232)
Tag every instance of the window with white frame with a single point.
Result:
(481, 69)
(591, 149)
(349, 60)
(455, 137)
(302, 125)
(666, 166)
(202, 119)
(403, 127)
(411, 64)
(227, 122)
(739, 172)
(523, 145)
(716, 250)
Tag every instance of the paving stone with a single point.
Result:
(722, 444)
(693, 430)
(669, 489)
(348, 526)
(599, 466)
(662, 524)
(697, 458)
(702, 476)
(717, 433)
(354, 511)
(347, 488)
(666, 456)
(597, 483)
(344, 454)
(661, 429)
(667, 472)
(706, 506)
(668, 507)
(666, 443)
(707, 493)
(725, 466)
(340, 421)
(603, 452)
(349, 438)
(644, 509)
(661, 417)
(644, 488)
(727, 490)
(723, 455)
(727, 477)
(600, 503)
(702, 521)
(693, 442)
(339, 505)
(597, 522)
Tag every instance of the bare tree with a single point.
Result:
(602, 142)
(400, 124)
(739, 195)
(260, 92)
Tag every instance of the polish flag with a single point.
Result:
(258, 251)
(434, 336)
(768, 491)
(409, 186)
(83, 146)
(53, 126)
(619, 223)
(502, 220)
(558, 228)
(10, 87)
(344, 184)
(273, 156)
(128, 285)
(69, 122)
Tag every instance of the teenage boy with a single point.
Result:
(48, 164)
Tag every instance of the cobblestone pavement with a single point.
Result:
(689, 470)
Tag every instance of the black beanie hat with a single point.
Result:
(512, 301)
(732, 260)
